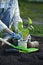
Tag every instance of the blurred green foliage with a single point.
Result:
(32, 10)
(38, 29)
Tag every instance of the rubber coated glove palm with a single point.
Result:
(15, 36)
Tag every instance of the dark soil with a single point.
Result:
(35, 58)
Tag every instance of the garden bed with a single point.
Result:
(38, 38)
(35, 58)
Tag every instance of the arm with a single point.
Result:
(12, 33)
(7, 30)
(15, 14)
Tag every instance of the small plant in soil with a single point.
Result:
(24, 31)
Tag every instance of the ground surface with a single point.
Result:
(35, 58)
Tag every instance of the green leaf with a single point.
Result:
(20, 24)
(29, 21)
(25, 32)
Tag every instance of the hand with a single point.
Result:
(15, 36)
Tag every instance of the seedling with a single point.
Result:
(24, 31)
(25, 34)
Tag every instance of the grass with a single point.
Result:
(33, 10)
(38, 30)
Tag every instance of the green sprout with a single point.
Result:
(20, 25)
(24, 31)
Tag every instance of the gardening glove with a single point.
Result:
(15, 36)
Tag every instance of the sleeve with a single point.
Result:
(16, 17)
(2, 26)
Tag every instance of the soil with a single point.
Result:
(35, 58)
